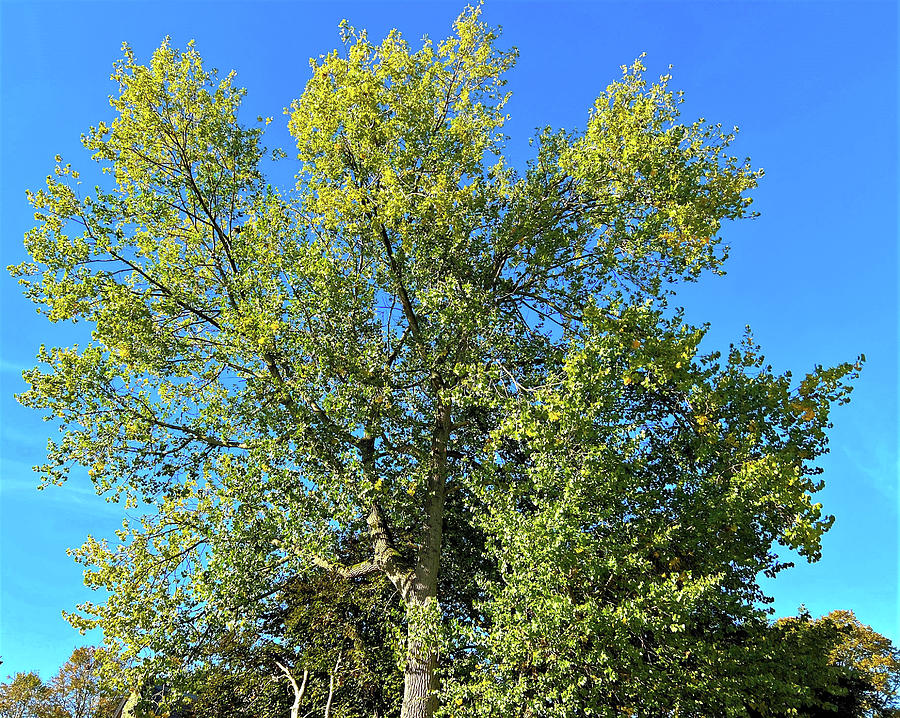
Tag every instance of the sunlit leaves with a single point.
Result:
(419, 328)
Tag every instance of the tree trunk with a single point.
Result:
(419, 681)
(420, 676)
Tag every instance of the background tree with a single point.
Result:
(415, 367)
(79, 690)
(847, 668)
(332, 638)
(873, 658)
(23, 696)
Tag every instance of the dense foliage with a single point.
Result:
(846, 668)
(422, 419)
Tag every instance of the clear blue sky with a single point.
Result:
(812, 85)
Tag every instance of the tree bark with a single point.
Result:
(337, 665)
(420, 676)
(419, 681)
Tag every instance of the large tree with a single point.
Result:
(423, 367)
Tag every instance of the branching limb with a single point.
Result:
(387, 557)
(298, 690)
(357, 570)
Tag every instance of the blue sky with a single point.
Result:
(813, 86)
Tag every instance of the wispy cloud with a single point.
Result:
(14, 436)
(18, 482)
(878, 465)
(11, 366)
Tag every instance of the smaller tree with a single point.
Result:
(23, 696)
(845, 667)
(331, 645)
(79, 690)
(873, 661)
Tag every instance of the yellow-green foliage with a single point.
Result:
(481, 357)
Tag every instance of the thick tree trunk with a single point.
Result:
(420, 677)
(419, 681)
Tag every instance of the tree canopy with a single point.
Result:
(23, 696)
(78, 690)
(425, 377)
(843, 667)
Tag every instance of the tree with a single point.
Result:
(874, 660)
(424, 367)
(78, 690)
(849, 669)
(23, 696)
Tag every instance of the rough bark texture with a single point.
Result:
(420, 677)
(419, 682)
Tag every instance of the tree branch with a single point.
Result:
(298, 690)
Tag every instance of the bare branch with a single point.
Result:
(337, 664)
(298, 690)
